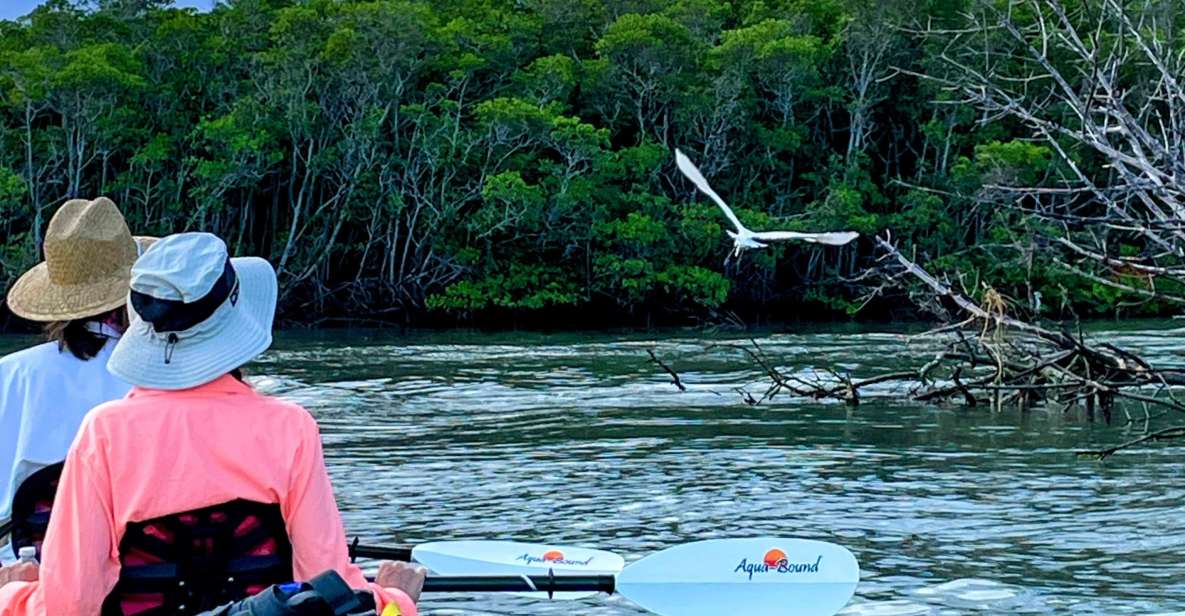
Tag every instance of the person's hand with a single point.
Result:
(404, 576)
(27, 572)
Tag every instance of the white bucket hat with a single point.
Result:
(196, 313)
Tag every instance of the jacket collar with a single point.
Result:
(225, 384)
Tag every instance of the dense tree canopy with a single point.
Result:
(398, 159)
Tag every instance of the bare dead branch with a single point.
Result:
(674, 375)
(1174, 432)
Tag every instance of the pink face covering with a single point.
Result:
(114, 323)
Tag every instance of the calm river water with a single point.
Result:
(579, 439)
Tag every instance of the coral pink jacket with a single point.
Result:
(157, 453)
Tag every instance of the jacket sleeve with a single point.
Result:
(21, 599)
(81, 563)
(315, 526)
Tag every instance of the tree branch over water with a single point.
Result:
(674, 375)
(1166, 434)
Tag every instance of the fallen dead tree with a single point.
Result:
(987, 358)
(1002, 360)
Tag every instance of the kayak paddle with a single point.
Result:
(500, 558)
(705, 578)
(511, 558)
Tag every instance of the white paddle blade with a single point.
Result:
(514, 558)
(692, 173)
(765, 576)
(837, 238)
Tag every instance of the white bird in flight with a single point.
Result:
(743, 238)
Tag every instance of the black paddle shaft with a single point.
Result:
(396, 552)
(549, 583)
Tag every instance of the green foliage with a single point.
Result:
(1015, 163)
(12, 191)
(549, 78)
(694, 285)
(519, 288)
(472, 157)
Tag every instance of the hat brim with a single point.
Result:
(234, 335)
(144, 242)
(37, 298)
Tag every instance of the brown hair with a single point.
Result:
(74, 336)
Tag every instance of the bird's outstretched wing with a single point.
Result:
(697, 178)
(837, 238)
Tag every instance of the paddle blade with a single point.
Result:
(514, 558)
(743, 576)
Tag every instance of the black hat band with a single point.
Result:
(170, 315)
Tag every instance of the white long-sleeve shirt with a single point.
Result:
(44, 394)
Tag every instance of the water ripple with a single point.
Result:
(582, 440)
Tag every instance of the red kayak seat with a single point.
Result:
(191, 562)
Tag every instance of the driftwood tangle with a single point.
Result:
(989, 358)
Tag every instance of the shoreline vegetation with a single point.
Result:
(492, 163)
(1013, 165)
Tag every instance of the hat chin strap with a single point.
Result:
(170, 315)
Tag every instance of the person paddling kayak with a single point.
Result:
(79, 292)
(174, 492)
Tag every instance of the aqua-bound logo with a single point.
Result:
(775, 561)
(553, 557)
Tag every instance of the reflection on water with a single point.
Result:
(581, 440)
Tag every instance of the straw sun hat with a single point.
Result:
(89, 254)
(196, 314)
